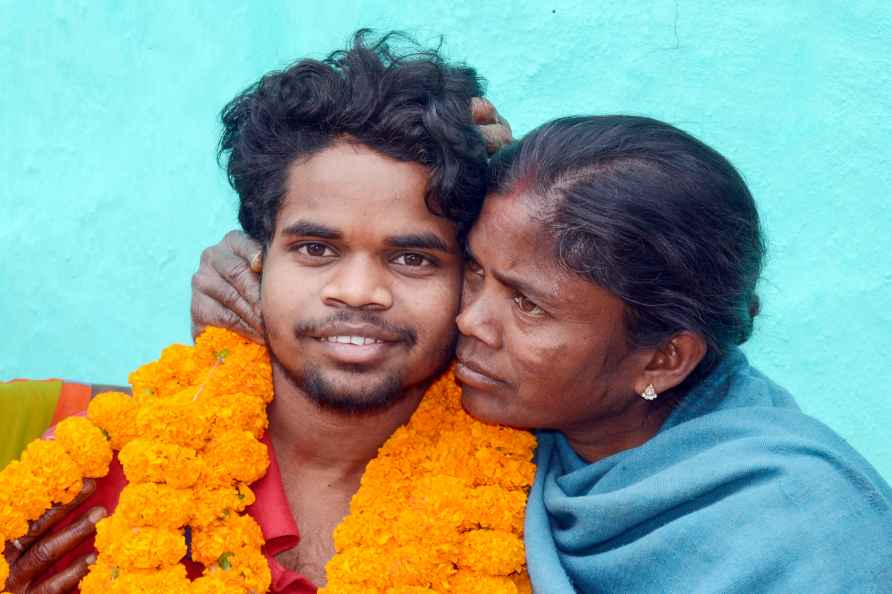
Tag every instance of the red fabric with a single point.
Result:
(73, 399)
(271, 511)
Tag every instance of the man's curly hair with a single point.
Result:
(410, 105)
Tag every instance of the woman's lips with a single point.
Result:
(471, 374)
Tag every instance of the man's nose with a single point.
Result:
(476, 320)
(359, 282)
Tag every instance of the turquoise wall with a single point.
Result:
(109, 189)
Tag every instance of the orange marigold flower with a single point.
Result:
(86, 444)
(213, 583)
(23, 497)
(237, 410)
(234, 456)
(128, 547)
(466, 582)
(212, 504)
(52, 466)
(173, 372)
(233, 534)
(158, 505)
(214, 344)
(178, 419)
(492, 552)
(115, 413)
(4, 569)
(246, 568)
(245, 369)
(107, 579)
(147, 461)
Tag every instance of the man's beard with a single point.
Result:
(337, 394)
(328, 395)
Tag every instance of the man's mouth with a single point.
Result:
(354, 340)
(356, 343)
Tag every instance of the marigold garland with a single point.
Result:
(440, 509)
(188, 440)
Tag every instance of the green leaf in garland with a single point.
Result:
(224, 562)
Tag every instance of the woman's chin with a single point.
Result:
(490, 408)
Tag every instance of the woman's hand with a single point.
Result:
(226, 288)
(495, 129)
(31, 555)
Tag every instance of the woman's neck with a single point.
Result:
(596, 439)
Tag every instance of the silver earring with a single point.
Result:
(649, 393)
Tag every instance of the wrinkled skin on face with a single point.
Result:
(360, 282)
(540, 346)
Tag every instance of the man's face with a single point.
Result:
(361, 281)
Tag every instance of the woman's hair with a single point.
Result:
(652, 215)
(409, 104)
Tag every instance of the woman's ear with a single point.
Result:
(672, 362)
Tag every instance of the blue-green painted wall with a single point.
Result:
(109, 189)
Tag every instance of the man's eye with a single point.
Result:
(526, 306)
(315, 249)
(413, 260)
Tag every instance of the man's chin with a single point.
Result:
(351, 391)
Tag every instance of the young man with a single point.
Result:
(357, 175)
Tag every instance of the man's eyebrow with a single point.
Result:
(311, 229)
(420, 241)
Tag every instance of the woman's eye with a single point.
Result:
(473, 267)
(316, 250)
(526, 306)
(413, 260)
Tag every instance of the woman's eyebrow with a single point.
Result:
(513, 282)
(522, 286)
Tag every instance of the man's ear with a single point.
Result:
(672, 362)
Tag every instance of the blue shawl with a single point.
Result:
(739, 492)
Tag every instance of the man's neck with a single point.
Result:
(337, 444)
(322, 455)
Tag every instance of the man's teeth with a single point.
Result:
(357, 340)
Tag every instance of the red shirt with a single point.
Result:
(270, 510)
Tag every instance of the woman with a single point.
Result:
(611, 276)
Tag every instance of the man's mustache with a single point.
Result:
(316, 327)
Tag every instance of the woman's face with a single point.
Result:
(539, 346)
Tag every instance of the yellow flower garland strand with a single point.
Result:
(440, 509)
(188, 441)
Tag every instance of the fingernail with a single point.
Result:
(257, 262)
(96, 514)
(91, 559)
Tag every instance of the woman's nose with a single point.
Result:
(475, 320)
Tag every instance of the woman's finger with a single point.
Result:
(231, 262)
(66, 580)
(52, 517)
(241, 245)
(46, 551)
(496, 136)
(207, 311)
(483, 112)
